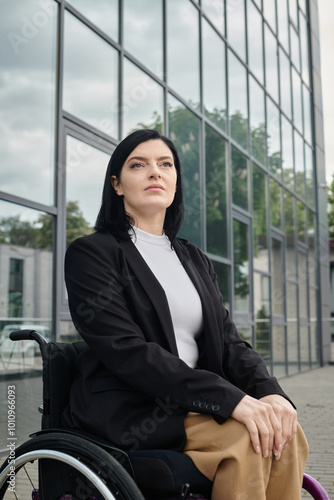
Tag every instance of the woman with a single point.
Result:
(166, 367)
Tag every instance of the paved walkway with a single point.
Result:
(313, 394)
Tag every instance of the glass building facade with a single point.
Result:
(236, 85)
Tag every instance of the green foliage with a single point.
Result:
(39, 234)
(330, 208)
(76, 223)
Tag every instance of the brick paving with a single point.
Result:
(313, 394)
(311, 391)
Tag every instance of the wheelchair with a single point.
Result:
(57, 464)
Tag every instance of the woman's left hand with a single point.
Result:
(287, 417)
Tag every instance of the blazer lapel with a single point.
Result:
(211, 327)
(153, 289)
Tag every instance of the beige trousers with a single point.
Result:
(224, 454)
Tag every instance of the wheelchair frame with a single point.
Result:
(71, 466)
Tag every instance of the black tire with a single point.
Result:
(55, 475)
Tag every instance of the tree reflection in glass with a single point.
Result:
(214, 76)
(273, 139)
(257, 121)
(239, 171)
(216, 208)
(241, 266)
(260, 243)
(238, 114)
(184, 129)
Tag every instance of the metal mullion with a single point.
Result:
(69, 8)
(91, 139)
(215, 127)
(69, 119)
(143, 68)
(164, 68)
(184, 102)
(24, 202)
(202, 173)
(213, 26)
(218, 258)
(58, 228)
(120, 69)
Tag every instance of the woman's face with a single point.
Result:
(148, 180)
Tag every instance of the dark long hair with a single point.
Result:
(112, 217)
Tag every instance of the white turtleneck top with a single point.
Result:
(183, 299)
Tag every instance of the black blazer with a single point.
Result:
(131, 387)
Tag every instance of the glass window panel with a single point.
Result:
(293, 11)
(292, 328)
(257, 120)
(302, 279)
(239, 170)
(289, 202)
(295, 48)
(184, 130)
(277, 291)
(307, 115)
(262, 316)
(26, 262)
(216, 193)
(236, 27)
(142, 100)
(143, 32)
(238, 113)
(279, 359)
(271, 59)
(67, 331)
(85, 172)
(297, 100)
(301, 221)
(314, 336)
(291, 302)
(285, 83)
(275, 204)
(269, 10)
(304, 41)
(27, 99)
(273, 139)
(312, 256)
(309, 174)
(241, 266)
(260, 198)
(314, 348)
(245, 333)
(304, 348)
(282, 18)
(299, 165)
(302, 6)
(287, 153)
(183, 49)
(214, 76)
(91, 65)
(215, 10)
(102, 13)
(223, 273)
(255, 41)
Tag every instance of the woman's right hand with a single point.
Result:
(262, 424)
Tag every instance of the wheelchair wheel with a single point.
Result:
(58, 466)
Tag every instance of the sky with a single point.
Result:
(326, 22)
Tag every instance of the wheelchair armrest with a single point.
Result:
(28, 335)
